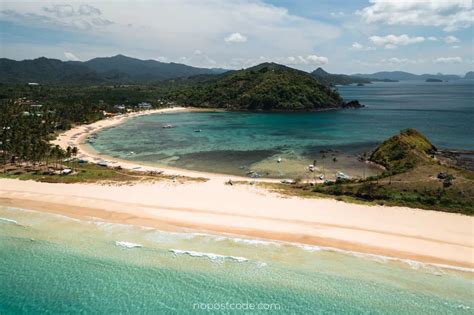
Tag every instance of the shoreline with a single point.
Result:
(429, 237)
(77, 135)
(400, 233)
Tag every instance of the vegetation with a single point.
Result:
(414, 177)
(110, 70)
(403, 151)
(266, 87)
(84, 173)
(31, 116)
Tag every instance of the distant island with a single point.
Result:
(469, 75)
(343, 79)
(337, 79)
(433, 80)
(405, 76)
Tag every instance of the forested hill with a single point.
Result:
(109, 70)
(265, 87)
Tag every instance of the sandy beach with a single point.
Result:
(427, 236)
(77, 136)
(246, 210)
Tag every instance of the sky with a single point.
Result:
(341, 36)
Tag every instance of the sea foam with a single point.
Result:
(247, 241)
(211, 256)
(6, 220)
(127, 244)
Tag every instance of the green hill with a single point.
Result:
(266, 87)
(403, 151)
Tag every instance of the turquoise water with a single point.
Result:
(54, 264)
(235, 143)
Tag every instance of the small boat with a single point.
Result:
(341, 175)
(311, 168)
(167, 126)
(279, 160)
(198, 130)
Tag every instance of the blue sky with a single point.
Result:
(420, 36)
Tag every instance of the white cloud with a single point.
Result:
(395, 60)
(61, 10)
(67, 10)
(55, 16)
(448, 60)
(302, 60)
(392, 41)
(175, 28)
(85, 9)
(432, 38)
(70, 56)
(451, 39)
(359, 47)
(299, 61)
(317, 60)
(455, 46)
(451, 15)
(235, 38)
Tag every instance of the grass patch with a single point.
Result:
(92, 173)
(417, 188)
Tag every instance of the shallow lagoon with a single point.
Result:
(236, 143)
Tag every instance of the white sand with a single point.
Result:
(422, 235)
(427, 236)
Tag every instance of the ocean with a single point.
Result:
(241, 143)
(55, 264)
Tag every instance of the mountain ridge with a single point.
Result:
(337, 79)
(115, 69)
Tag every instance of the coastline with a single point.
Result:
(396, 232)
(76, 136)
(244, 210)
